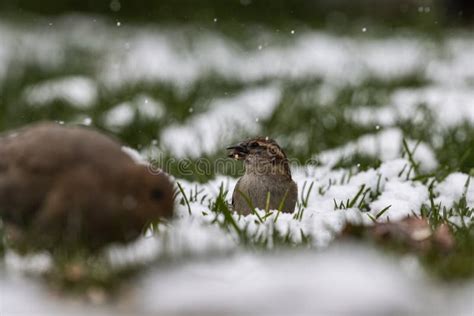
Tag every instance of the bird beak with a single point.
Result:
(238, 152)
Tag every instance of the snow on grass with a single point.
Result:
(196, 236)
(319, 216)
(453, 188)
(180, 58)
(317, 221)
(293, 277)
(227, 117)
(449, 105)
(344, 280)
(77, 91)
(403, 198)
(385, 145)
(135, 155)
(21, 295)
(457, 69)
(150, 57)
(31, 46)
(393, 58)
(322, 190)
(142, 106)
(298, 283)
(291, 280)
(33, 263)
(149, 108)
(119, 116)
(163, 56)
(383, 116)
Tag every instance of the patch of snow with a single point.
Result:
(385, 145)
(392, 169)
(207, 132)
(404, 199)
(394, 58)
(125, 113)
(385, 116)
(21, 295)
(450, 106)
(321, 222)
(156, 56)
(293, 280)
(456, 68)
(119, 116)
(151, 58)
(87, 121)
(135, 155)
(149, 54)
(196, 236)
(240, 284)
(149, 108)
(142, 251)
(460, 221)
(33, 263)
(452, 189)
(77, 91)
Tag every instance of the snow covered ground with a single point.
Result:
(223, 278)
(346, 280)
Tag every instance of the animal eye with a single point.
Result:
(156, 194)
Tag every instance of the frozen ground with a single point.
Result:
(155, 80)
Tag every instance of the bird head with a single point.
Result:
(261, 152)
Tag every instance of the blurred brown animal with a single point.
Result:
(75, 185)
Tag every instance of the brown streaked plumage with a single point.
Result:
(75, 185)
(267, 172)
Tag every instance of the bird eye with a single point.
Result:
(156, 194)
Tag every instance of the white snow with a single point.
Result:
(385, 145)
(450, 105)
(152, 54)
(163, 56)
(119, 116)
(31, 263)
(207, 132)
(149, 108)
(301, 284)
(384, 116)
(77, 91)
(457, 68)
(453, 188)
(298, 283)
(21, 295)
(135, 155)
(404, 199)
(142, 105)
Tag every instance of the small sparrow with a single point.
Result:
(75, 185)
(267, 182)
